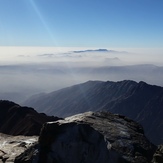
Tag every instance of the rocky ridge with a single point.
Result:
(93, 138)
(18, 120)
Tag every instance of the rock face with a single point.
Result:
(17, 120)
(158, 156)
(94, 138)
(13, 146)
(30, 155)
(139, 101)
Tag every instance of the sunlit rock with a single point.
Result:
(94, 138)
(13, 146)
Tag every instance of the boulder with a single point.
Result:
(94, 138)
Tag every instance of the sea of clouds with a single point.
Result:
(25, 71)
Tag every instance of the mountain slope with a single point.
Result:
(145, 105)
(92, 95)
(17, 120)
(139, 101)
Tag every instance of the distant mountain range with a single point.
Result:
(17, 120)
(18, 82)
(139, 101)
(98, 50)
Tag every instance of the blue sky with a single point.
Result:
(82, 23)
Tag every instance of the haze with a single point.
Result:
(48, 45)
(30, 70)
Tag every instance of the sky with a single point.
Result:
(86, 23)
(46, 41)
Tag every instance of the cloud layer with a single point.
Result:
(27, 71)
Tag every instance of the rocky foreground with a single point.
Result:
(13, 146)
(92, 138)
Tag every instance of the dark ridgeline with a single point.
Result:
(17, 120)
(139, 101)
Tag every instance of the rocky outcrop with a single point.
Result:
(30, 155)
(158, 156)
(94, 138)
(17, 120)
(13, 146)
(139, 101)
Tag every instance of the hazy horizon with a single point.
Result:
(28, 54)
(48, 45)
(30, 70)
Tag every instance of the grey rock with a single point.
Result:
(13, 146)
(94, 138)
(158, 156)
(29, 155)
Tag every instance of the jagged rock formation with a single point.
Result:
(17, 120)
(13, 146)
(30, 155)
(93, 138)
(139, 101)
(158, 156)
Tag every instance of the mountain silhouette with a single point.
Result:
(17, 120)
